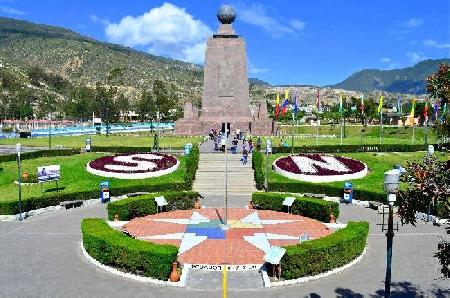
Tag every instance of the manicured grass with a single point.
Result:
(113, 140)
(373, 182)
(74, 177)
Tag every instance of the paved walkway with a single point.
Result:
(41, 257)
(201, 239)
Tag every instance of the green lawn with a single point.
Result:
(114, 140)
(391, 135)
(377, 164)
(74, 177)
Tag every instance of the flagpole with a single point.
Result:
(317, 129)
(341, 128)
(414, 125)
(292, 133)
(381, 127)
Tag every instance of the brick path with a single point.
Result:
(201, 239)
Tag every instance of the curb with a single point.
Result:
(300, 280)
(181, 283)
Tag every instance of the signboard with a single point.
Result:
(104, 192)
(88, 145)
(49, 173)
(268, 147)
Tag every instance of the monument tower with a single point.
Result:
(225, 98)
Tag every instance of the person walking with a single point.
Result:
(234, 143)
(258, 144)
(223, 141)
(244, 156)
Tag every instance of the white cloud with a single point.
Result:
(297, 24)
(434, 44)
(386, 60)
(99, 20)
(415, 57)
(413, 23)
(11, 11)
(166, 30)
(257, 15)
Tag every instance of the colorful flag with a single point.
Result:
(425, 111)
(380, 104)
(444, 112)
(436, 110)
(341, 105)
(413, 109)
(362, 104)
(295, 104)
(286, 94)
(285, 104)
(319, 108)
(277, 105)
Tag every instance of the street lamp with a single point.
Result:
(18, 148)
(391, 185)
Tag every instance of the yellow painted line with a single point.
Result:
(224, 282)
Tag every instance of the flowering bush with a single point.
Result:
(133, 165)
(319, 167)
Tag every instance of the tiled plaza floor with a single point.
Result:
(202, 240)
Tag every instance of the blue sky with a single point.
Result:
(288, 41)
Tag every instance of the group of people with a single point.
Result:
(220, 140)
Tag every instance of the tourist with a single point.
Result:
(250, 146)
(234, 147)
(223, 142)
(244, 156)
(238, 133)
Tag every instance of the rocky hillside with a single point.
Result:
(405, 80)
(85, 61)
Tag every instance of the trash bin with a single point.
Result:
(104, 192)
(187, 148)
(88, 145)
(348, 192)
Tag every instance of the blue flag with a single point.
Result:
(295, 105)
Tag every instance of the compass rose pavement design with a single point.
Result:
(201, 240)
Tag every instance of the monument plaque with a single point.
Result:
(225, 98)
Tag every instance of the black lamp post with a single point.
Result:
(391, 184)
(19, 178)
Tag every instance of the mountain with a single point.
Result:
(405, 80)
(258, 82)
(85, 61)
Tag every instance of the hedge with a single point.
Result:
(354, 148)
(330, 190)
(310, 207)
(127, 149)
(258, 169)
(12, 207)
(130, 208)
(40, 153)
(192, 161)
(324, 254)
(115, 249)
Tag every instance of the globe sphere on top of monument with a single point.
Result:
(226, 14)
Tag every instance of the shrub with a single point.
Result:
(310, 207)
(258, 169)
(324, 254)
(12, 207)
(114, 248)
(330, 190)
(130, 208)
(40, 153)
(191, 166)
(125, 149)
(352, 148)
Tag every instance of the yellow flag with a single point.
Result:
(413, 108)
(380, 104)
(286, 94)
(278, 99)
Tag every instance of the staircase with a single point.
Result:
(210, 177)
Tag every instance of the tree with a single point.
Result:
(146, 106)
(165, 99)
(438, 84)
(427, 190)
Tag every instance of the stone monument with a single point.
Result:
(225, 98)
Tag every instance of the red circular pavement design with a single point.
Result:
(202, 241)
